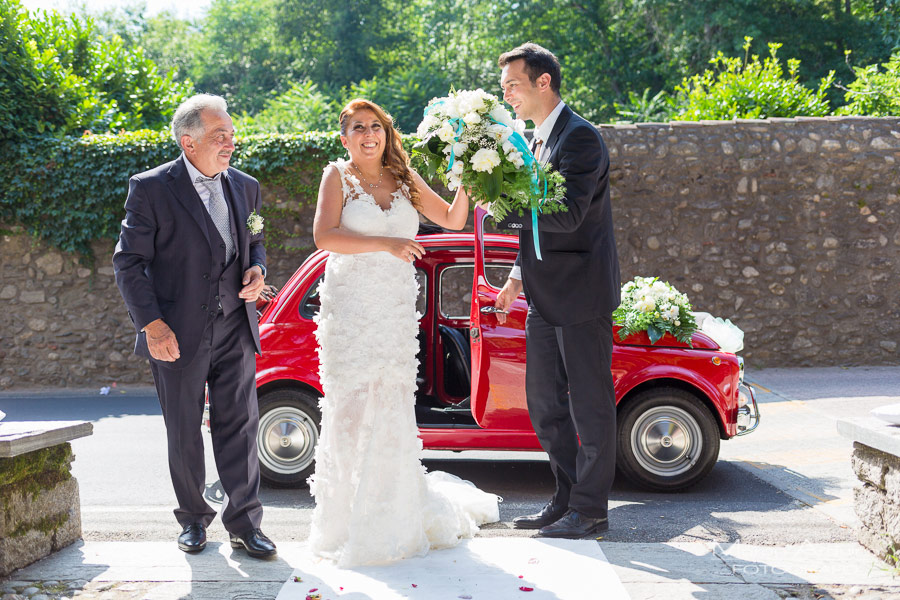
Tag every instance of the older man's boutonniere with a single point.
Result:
(255, 223)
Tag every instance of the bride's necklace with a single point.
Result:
(371, 185)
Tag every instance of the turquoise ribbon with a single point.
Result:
(459, 130)
(531, 161)
(460, 125)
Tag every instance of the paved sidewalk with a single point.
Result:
(795, 449)
(159, 571)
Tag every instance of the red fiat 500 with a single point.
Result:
(674, 402)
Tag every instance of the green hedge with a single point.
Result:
(70, 192)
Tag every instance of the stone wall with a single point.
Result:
(877, 500)
(41, 511)
(789, 227)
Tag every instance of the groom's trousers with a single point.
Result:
(569, 386)
(226, 361)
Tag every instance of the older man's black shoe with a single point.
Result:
(192, 538)
(551, 513)
(255, 543)
(575, 525)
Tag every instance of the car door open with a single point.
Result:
(498, 351)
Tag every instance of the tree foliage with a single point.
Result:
(284, 63)
(750, 88)
(59, 75)
(875, 92)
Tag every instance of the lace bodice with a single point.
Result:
(361, 214)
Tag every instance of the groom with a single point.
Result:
(190, 271)
(571, 294)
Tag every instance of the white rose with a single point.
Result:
(485, 160)
(451, 108)
(472, 118)
(427, 124)
(476, 100)
(501, 115)
(446, 133)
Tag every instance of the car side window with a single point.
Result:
(311, 303)
(455, 293)
(309, 306)
(497, 274)
(422, 298)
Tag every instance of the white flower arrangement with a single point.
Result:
(469, 138)
(255, 223)
(656, 307)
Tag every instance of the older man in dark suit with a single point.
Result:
(571, 294)
(190, 263)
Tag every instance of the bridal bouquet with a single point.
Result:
(469, 138)
(657, 307)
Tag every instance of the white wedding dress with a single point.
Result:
(374, 502)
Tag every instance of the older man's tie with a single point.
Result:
(218, 212)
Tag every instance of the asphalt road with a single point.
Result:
(787, 483)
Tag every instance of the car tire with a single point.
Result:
(667, 440)
(289, 422)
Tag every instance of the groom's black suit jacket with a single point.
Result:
(166, 260)
(578, 278)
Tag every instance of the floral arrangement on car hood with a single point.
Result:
(656, 307)
(469, 138)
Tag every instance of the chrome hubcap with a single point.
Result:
(287, 440)
(666, 441)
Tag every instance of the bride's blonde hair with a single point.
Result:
(394, 157)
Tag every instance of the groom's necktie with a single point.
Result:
(218, 212)
(538, 146)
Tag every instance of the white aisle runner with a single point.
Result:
(477, 569)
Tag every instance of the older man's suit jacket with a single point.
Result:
(167, 258)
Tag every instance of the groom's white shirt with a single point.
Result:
(542, 132)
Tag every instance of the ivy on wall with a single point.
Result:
(71, 191)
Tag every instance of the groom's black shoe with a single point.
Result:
(551, 513)
(255, 543)
(192, 538)
(575, 525)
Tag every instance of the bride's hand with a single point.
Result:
(404, 249)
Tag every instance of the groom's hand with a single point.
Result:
(161, 341)
(254, 282)
(508, 294)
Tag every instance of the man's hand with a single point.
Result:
(253, 284)
(511, 290)
(161, 341)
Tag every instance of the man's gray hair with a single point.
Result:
(187, 121)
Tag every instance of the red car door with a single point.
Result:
(498, 350)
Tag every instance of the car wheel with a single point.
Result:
(288, 433)
(667, 440)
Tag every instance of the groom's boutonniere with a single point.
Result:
(255, 223)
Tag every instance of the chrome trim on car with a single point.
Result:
(748, 415)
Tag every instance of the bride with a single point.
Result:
(374, 502)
